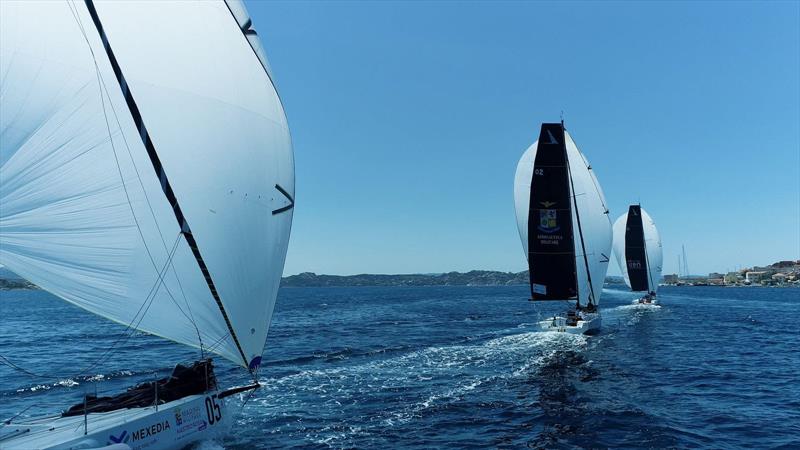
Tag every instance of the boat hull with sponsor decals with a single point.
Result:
(172, 425)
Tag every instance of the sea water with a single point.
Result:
(459, 367)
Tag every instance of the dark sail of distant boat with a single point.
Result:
(635, 251)
(637, 247)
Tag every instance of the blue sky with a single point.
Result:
(408, 119)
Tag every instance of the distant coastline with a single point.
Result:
(780, 274)
(471, 278)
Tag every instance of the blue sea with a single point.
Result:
(458, 367)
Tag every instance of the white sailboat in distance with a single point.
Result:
(564, 227)
(146, 176)
(637, 248)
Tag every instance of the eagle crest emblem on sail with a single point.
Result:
(547, 221)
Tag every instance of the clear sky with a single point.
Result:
(408, 119)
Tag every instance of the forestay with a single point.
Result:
(84, 180)
(587, 198)
(637, 249)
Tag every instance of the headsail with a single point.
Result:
(83, 212)
(637, 248)
(586, 244)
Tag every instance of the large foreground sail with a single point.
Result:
(561, 241)
(146, 169)
(637, 248)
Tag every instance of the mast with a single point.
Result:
(685, 262)
(162, 176)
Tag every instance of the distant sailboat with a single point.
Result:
(564, 227)
(637, 248)
(148, 178)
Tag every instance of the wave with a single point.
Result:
(616, 291)
(70, 382)
(398, 388)
(639, 307)
(336, 355)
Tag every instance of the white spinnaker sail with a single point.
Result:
(82, 210)
(655, 255)
(522, 193)
(595, 223)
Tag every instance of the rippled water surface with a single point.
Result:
(458, 367)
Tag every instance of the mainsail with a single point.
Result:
(637, 248)
(550, 234)
(562, 219)
(146, 167)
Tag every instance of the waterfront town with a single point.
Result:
(781, 273)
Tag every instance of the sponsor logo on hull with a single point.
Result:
(123, 438)
(189, 420)
(151, 431)
(140, 438)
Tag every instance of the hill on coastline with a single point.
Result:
(10, 280)
(471, 278)
(308, 279)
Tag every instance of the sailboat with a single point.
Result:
(637, 248)
(565, 229)
(146, 176)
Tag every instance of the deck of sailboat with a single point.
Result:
(558, 324)
(652, 303)
(52, 431)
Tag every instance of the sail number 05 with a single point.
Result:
(213, 410)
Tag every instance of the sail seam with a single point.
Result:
(161, 174)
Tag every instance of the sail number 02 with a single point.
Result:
(213, 410)
(538, 171)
